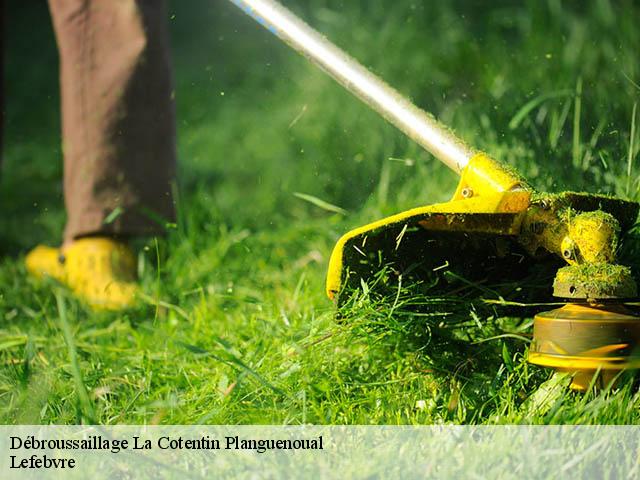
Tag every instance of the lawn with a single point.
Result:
(237, 328)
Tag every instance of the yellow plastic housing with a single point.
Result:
(587, 339)
(485, 187)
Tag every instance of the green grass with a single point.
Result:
(238, 329)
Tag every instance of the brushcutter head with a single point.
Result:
(501, 233)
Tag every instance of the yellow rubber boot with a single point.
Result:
(99, 270)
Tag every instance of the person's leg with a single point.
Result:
(118, 142)
(2, 40)
(117, 115)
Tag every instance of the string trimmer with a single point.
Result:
(494, 216)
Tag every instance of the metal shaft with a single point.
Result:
(414, 122)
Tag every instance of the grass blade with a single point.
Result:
(532, 104)
(631, 155)
(86, 406)
(115, 213)
(577, 111)
(231, 360)
(320, 203)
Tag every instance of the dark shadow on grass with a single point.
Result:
(465, 332)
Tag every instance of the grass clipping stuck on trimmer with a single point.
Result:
(494, 219)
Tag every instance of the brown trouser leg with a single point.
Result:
(117, 115)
